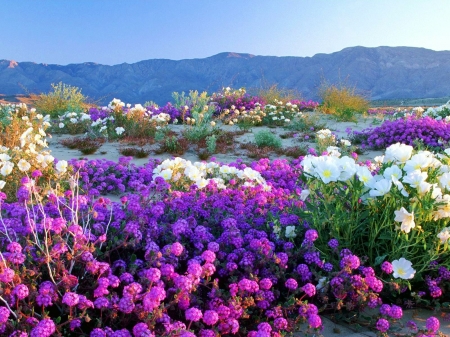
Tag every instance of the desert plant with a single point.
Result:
(267, 139)
(62, 98)
(211, 143)
(134, 152)
(173, 145)
(342, 101)
(306, 123)
(270, 93)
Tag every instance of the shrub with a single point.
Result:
(267, 139)
(62, 98)
(280, 114)
(272, 94)
(342, 101)
(86, 145)
(132, 151)
(233, 99)
(22, 148)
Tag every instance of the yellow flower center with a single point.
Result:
(401, 271)
(327, 173)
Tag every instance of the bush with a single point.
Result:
(267, 139)
(342, 101)
(62, 98)
(271, 94)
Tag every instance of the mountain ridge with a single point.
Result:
(384, 72)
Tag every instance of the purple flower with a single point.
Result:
(382, 325)
(309, 289)
(21, 291)
(291, 284)
(432, 324)
(311, 235)
(71, 299)
(210, 317)
(193, 314)
(387, 267)
(314, 321)
(177, 249)
(4, 315)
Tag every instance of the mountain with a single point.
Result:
(382, 72)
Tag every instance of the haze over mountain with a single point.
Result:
(382, 72)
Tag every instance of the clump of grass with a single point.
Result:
(139, 141)
(173, 145)
(204, 154)
(342, 101)
(62, 98)
(134, 152)
(267, 139)
(272, 93)
(255, 152)
(84, 144)
(294, 151)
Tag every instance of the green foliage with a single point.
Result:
(211, 143)
(62, 98)
(306, 123)
(267, 139)
(342, 101)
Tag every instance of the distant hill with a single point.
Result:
(383, 72)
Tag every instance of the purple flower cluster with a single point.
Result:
(406, 131)
(305, 105)
(191, 263)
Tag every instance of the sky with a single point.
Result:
(117, 31)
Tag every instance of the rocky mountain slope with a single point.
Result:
(382, 72)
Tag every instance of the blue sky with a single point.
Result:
(113, 31)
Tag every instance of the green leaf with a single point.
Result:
(133, 258)
(379, 259)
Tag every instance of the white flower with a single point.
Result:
(61, 166)
(403, 269)
(380, 188)
(321, 284)
(379, 159)
(304, 194)
(406, 218)
(23, 165)
(415, 178)
(364, 175)
(290, 232)
(443, 235)
(393, 172)
(4, 157)
(328, 171)
(444, 181)
(398, 152)
(73, 120)
(417, 162)
(345, 142)
(120, 130)
(348, 168)
(7, 168)
(166, 174)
